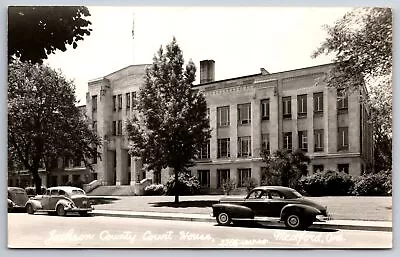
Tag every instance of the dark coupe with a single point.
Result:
(270, 201)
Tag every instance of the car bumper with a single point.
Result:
(322, 218)
(76, 209)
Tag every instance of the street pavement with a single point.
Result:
(42, 230)
(340, 207)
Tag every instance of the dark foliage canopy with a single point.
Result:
(34, 32)
(44, 122)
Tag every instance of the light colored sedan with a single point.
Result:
(60, 200)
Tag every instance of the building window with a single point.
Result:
(343, 168)
(76, 177)
(222, 177)
(243, 175)
(287, 141)
(318, 103)
(133, 99)
(65, 179)
(343, 138)
(94, 103)
(318, 168)
(265, 109)
(244, 114)
(223, 148)
(265, 147)
(342, 99)
(244, 146)
(205, 151)
(128, 100)
(119, 129)
(302, 106)
(303, 140)
(114, 128)
(204, 178)
(287, 107)
(119, 102)
(223, 116)
(318, 140)
(157, 177)
(77, 162)
(114, 103)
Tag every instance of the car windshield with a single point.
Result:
(77, 192)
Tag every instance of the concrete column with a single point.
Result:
(310, 123)
(213, 127)
(255, 128)
(122, 164)
(213, 178)
(256, 172)
(275, 129)
(295, 133)
(354, 122)
(102, 166)
(137, 167)
(330, 121)
(233, 130)
(133, 171)
(233, 175)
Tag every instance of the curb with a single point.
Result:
(204, 218)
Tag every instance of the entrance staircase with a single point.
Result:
(113, 190)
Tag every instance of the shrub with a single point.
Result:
(154, 189)
(379, 184)
(249, 184)
(228, 186)
(187, 185)
(326, 183)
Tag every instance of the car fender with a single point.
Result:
(303, 210)
(65, 202)
(236, 211)
(37, 205)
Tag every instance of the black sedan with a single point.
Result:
(270, 201)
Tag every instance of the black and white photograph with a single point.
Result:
(199, 127)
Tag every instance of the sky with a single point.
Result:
(240, 40)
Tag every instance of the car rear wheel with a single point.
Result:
(29, 209)
(224, 218)
(294, 221)
(60, 210)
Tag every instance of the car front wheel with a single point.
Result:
(29, 209)
(224, 218)
(60, 210)
(294, 221)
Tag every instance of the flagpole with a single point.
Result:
(133, 38)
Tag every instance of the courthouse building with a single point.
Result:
(291, 109)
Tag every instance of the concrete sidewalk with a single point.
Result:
(331, 224)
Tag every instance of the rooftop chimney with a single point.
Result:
(207, 71)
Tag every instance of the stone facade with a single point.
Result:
(291, 109)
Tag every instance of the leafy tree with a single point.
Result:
(43, 121)
(361, 42)
(171, 123)
(286, 167)
(34, 32)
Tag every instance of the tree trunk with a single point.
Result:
(176, 187)
(37, 181)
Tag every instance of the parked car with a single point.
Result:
(31, 191)
(270, 201)
(60, 200)
(17, 199)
